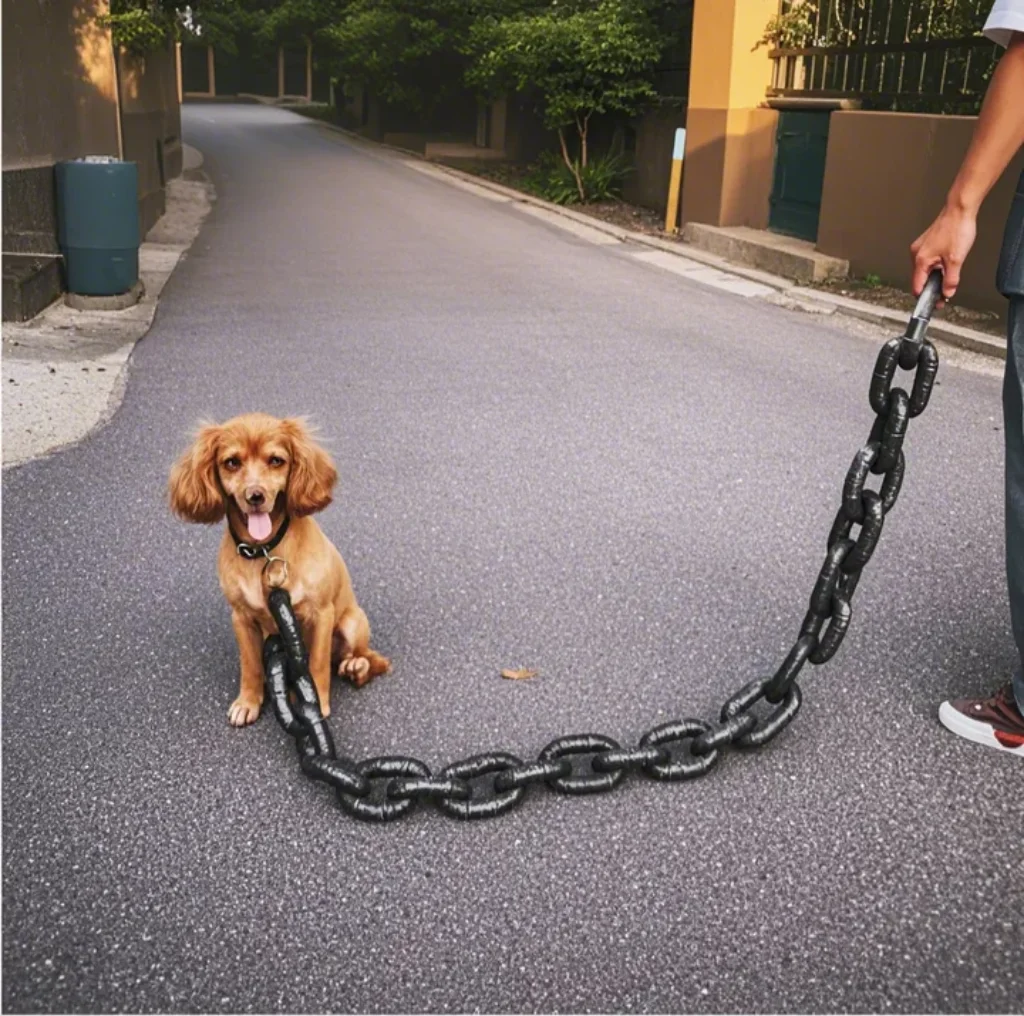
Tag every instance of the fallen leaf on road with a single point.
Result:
(518, 675)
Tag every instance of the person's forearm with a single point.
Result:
(998, 135)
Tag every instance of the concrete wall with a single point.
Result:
(357, 110)
(151, 126)
(455, 120)
(59, 102)
(498, 128)
(647, 184)
(729, 166)
(525, 135)
(886, 177)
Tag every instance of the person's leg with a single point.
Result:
(1018, 689)
(998, 721)
(1013, 422)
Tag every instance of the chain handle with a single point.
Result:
(485, 786)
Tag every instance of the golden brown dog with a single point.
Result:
(267, 475)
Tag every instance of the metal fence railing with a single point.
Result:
(912, 55)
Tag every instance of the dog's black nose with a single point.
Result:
(256, 497)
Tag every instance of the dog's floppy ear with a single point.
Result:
(313, 476)
(195, 494)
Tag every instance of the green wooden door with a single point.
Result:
(801, 142)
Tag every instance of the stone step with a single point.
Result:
(771, 252)
(30, 284)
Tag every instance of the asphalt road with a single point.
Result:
(552, 456)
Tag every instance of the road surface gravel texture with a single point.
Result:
(555, 457)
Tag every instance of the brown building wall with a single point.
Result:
(58, 103)
(58, 76)
(62, 93)
(886, 177)
(727, 171)
(151, 126)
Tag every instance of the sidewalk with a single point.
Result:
(705, 267)
(64, 371)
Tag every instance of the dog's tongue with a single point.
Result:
(259, 525)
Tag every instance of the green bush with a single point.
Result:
(317, 111)
(601, 179)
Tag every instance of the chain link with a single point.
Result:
(485, 786)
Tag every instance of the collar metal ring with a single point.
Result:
(271, 581)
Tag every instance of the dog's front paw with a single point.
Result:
(243, 711)
(356, 669)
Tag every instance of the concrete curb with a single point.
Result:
(121, 301)
(955, 335)
(191, 159)
(65, 371)
(788, 293)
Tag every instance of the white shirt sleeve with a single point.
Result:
(1006, 18)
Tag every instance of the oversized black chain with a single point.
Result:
(386, 788)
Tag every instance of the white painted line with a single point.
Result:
(696, 272)
(743, 287)
(707, 274)
(670, 262)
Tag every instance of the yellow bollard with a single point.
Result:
(672, 207)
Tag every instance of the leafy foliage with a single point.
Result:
(140, 26)
(408, 52)
(791, 29)
(580, 59)
(300, 20)
(143, 25)
(601, 179)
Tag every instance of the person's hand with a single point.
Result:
(944, 244)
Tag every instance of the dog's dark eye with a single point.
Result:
(276, 460)
(232, 463)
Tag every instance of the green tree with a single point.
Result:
(581, 58)
(300, 20)
(408, 52)
(143, 25)
(223, 24)
(139, 26)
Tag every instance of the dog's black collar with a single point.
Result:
(252, 551)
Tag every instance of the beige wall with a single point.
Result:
(886, 177)
(729, 164)
(730, 140)
(59, 82)
(151, 125)
(61, 102)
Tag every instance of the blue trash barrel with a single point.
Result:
(98, 224)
